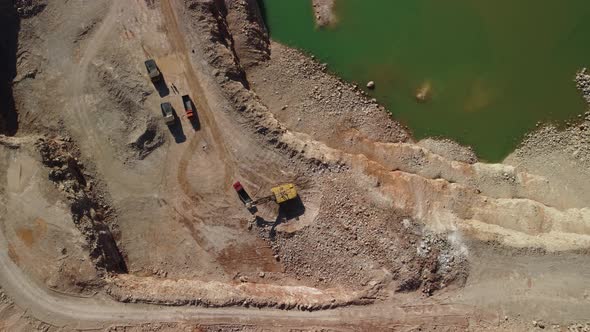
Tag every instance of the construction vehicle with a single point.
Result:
(279, 194)
(188, 107)
(168, 113)
(153, 70)
(244, 197)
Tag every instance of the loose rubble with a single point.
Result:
(350, 228)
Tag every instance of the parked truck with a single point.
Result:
(153, 71)
(168, 113)
(242, 194)
(188, 107)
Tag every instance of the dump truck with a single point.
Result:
(168, 113)
(153, 71)
(242, 194)
(188, 107)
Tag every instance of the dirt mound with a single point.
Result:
(148, 138)
(127, 288)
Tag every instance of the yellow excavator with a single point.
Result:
(279, 194)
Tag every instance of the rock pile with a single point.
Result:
(370, 239)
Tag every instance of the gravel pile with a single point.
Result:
(354, 242)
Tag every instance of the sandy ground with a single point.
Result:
(113, 206)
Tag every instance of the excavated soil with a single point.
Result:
(102, 202)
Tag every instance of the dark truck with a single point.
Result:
(168, 113)
(153, 70)
(188, 107)
(244, 197)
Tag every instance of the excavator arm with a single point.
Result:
(262, 200)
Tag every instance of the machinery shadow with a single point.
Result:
(253, 210)
(195, 122)
(289, 210)
(10, 27)
(161, 86)
(176, 128)
(263, 13)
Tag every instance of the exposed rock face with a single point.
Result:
(89, 211)
(249, 34)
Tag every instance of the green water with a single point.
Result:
(495, 67)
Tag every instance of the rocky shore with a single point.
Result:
(582, 81)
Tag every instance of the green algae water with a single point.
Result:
(490, 69)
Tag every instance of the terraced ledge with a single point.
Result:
(493, 180)
(451, 207)
(445, 206)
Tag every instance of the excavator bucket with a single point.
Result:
(284, 192)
